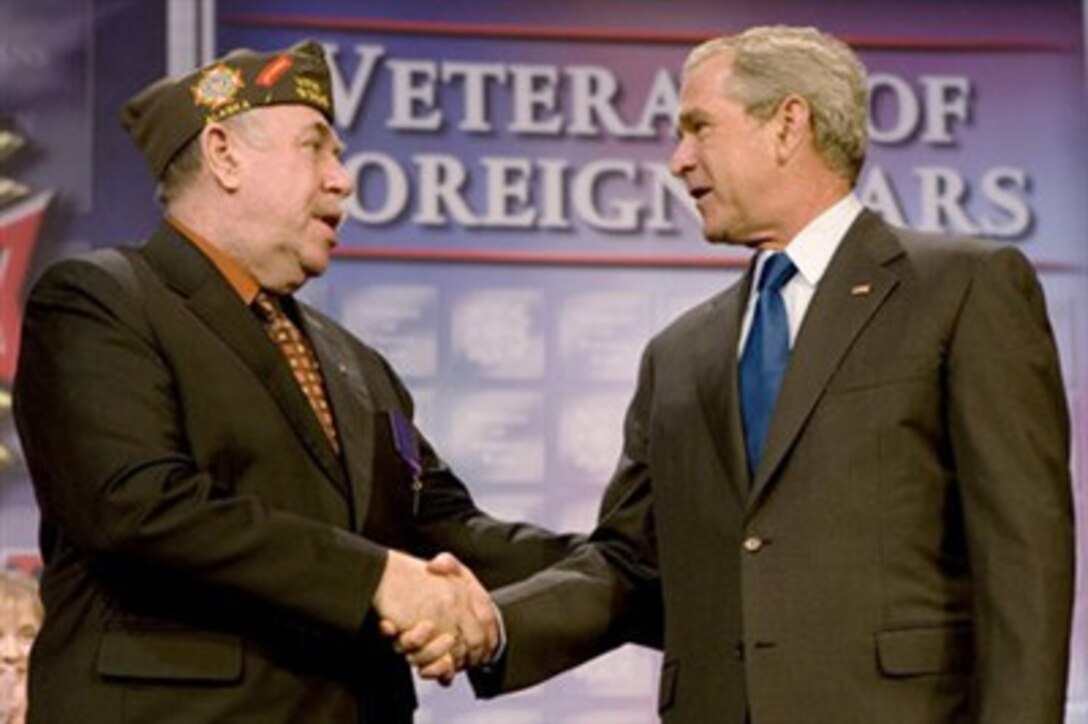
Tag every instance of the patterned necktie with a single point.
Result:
(300, 356)
(765, 355)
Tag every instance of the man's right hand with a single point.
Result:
(441, 614)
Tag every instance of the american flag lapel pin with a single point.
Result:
(861, 290)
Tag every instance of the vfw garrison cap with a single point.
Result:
(169, 113)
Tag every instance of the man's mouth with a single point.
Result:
(331, 220)
(698, 192)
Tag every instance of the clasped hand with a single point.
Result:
(440, 616)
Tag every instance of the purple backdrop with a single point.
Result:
(515, 238)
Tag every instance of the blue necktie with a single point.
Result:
(766, 353)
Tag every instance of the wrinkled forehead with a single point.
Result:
(709, 54)
(16, 610)
(292, 117)
(710, 75)
(708, 83)
(289, 123)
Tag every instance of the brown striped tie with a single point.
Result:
(301, 358)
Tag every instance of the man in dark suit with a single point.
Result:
(231, 487)
(843, 496)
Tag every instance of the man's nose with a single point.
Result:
(681, 160)
(338, 180)
(9, 649)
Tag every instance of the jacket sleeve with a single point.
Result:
(446, 518)
(101, 427)
(1010, 444)
(606, 593)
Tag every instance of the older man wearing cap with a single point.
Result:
(232, 491)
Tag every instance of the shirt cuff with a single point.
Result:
(500, 649)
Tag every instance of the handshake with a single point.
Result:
(438, 614)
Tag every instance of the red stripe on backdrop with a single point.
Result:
(532, 258)
(578, 259)
(613, 35)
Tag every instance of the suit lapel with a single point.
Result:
(854, 286)
(352, 407)
(715, 360)
(208, 295)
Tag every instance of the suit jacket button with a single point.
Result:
(753, 544)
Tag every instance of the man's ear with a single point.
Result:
(220, 149)
(793, 126)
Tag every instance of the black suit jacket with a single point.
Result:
(208, 557)
(904, 552)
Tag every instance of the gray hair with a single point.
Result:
(186, 165)
(18, 587)
(773, 62)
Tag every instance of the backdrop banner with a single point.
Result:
(515, 237)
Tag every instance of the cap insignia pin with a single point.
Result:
(217, 86)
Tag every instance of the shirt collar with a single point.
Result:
(811, 250)
(239, 279)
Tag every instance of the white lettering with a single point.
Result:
(535, 94)
(553, 208)
(878, 194)
(905, 110)
(507, 184)
(593, 92)
(414, 98)
(475, 77)
(664, 187)
(586, 193)
(395, 185)
(946, 100)
(348, 100)
(661, 104)
(441, 180)
(942, 197)
(897, 111)
(1004, 188)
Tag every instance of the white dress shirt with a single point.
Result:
(810, 251)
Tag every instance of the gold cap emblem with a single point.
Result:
(217, 86)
